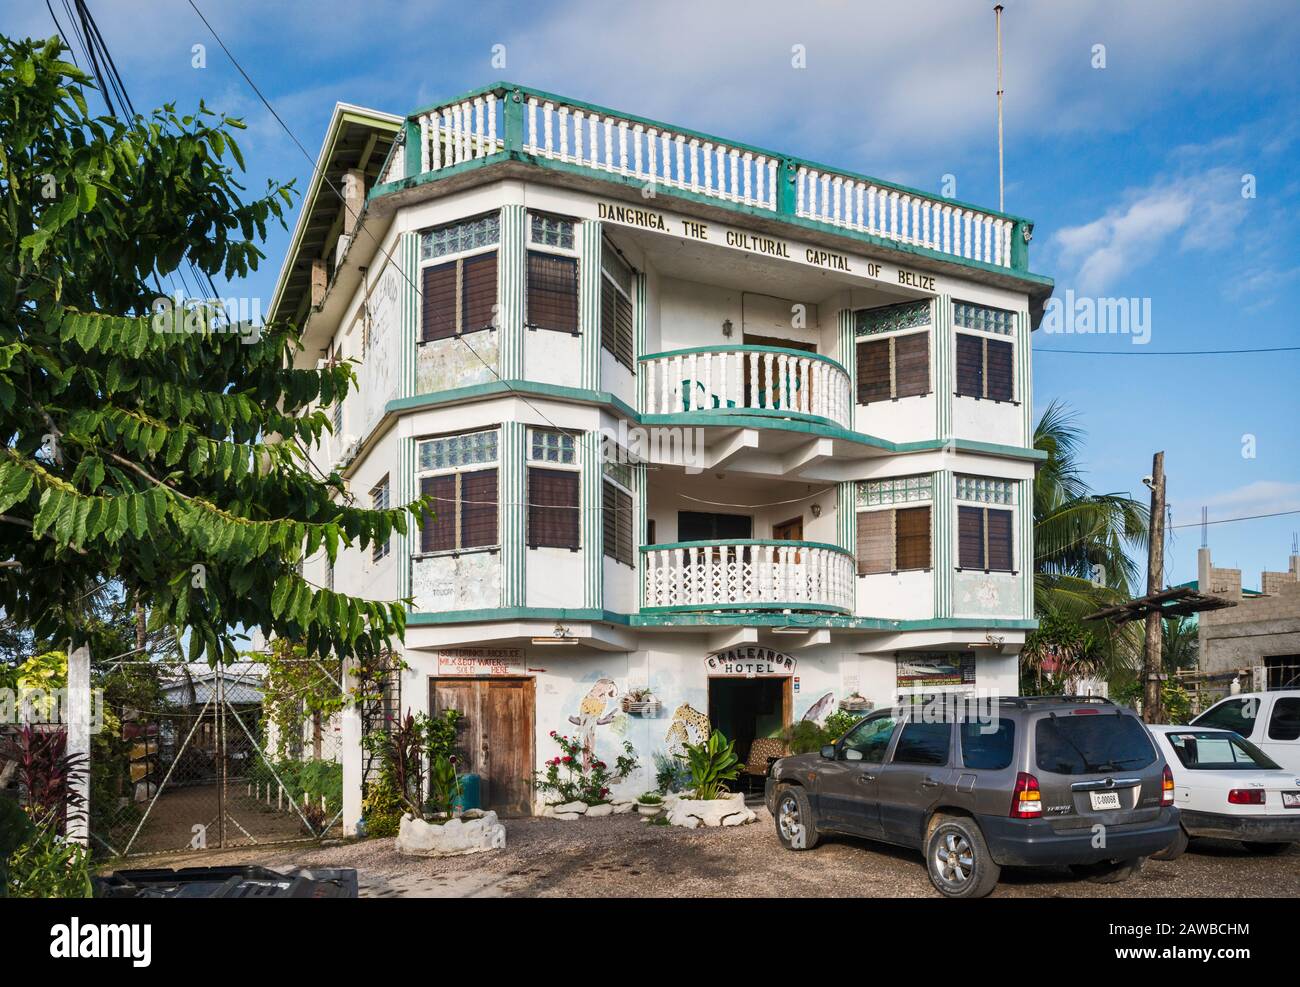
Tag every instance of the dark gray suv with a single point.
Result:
(1022, 781)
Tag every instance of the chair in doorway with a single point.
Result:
(762, 752)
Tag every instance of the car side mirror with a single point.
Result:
(828, 752)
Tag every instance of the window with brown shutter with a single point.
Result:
(998, 370)
(617, 523)
(459, 296)
(984, 539)
(912, 364)
(970, 366)
(985, 368)
(999, 540)
(438, 530)
(912, 543)
(478, 509)
(894, 367)
(439, 315)
(616, 334)
(552, 508)
(552, 292)
(875, 542)
(479, 303)
(873, 371)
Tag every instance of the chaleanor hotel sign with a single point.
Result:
(750, 661)
(761, 244)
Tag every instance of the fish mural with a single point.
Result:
(821, 709)
(597, 708)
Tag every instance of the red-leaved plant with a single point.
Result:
(46, 772)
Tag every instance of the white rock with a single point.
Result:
(621, 807)
(604, 809)
(730, 810)
(578, 808)
(566, 815)
(415, 837)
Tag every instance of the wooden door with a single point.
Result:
(496, 738)
(791, 530)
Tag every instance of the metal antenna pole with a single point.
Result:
(998, 16)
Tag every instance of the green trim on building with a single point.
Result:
(589, 305)
(737, 348)
(510, 289)
(942, 486)
(846, 515)
(747, 542)
(512, 485)
(848, 353)
(591, 515)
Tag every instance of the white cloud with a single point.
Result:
(1249, 500)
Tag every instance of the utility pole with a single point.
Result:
(997, 11)
(1152, 671)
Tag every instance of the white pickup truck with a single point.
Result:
(1269, 720)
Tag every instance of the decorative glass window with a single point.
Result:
(906, 315)
(985, 318)
(546, 446)
(986, 490)
(895, 490)
(455, 238)
(550, 231)
(621, 473)
(455, 451)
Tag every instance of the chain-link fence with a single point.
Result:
(242, 754)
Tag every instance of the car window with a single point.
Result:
(1237, 715)
(1201, 750)
(923, 743)
(1090, 744)
(870, 738)
(1284, 724)
(988, 746)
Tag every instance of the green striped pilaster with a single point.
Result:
(943, 366)
(591, 538)
(638, 332)
(1024, 371)
(846, 516)
(1025, 507)
(639, 526)
(848, 355)
(407, 489)
(589, 305)
(408, 254)
(510, 291)
(513, 486)
(943, 542)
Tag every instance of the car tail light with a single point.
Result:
(1167, 787)
(1026, 801)
(1246, 796)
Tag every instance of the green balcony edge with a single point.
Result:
(742, 348)
(751, 418)
(652, 618)
(777, 542)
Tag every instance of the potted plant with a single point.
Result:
(650, 804)
(641, 702)
(709, 802)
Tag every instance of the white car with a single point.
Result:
(1227, 788)
(1269, 720)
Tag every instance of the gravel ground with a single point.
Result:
(620, 856)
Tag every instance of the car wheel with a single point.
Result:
(1108, 871)
(796, 826)
(1175, 849)
(958, 860)
(1266, 849)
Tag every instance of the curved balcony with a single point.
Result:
(747, 574)
(765, 380)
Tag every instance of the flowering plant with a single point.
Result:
(577, 775)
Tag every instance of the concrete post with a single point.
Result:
(351, 753)
(78, 724)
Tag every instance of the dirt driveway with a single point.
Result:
(620, 856)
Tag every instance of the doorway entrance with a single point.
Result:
(495, 736)
(745, 710)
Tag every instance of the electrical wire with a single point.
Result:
(1145, 352)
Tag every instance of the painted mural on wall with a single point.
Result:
(469, 581)
(443, 364)
(822, 708)
(598, 707)
(689, 726)
(379, 359)
(987, 594)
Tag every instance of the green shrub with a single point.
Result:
(806, 736)
(48, 866)
(382, 808)
(711, 764)
(841, 722)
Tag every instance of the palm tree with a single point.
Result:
(1082, 540)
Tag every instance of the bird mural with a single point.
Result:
(821, 709)
(596, 709)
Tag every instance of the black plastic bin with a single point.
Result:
(228, 882)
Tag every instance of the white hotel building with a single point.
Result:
(713, 431)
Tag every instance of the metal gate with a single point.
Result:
(243, 754)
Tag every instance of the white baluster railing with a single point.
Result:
(747, 573)
(747, 378)
(459, 132)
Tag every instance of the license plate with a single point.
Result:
(1291, 800)
(1104, 800)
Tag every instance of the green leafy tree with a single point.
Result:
(171, 462)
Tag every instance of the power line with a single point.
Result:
(1228, 520)
(387, 255)
(1275, 349)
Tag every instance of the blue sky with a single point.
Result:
(1132, 170)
